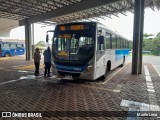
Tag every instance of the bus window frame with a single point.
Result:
(115, 41)
(109, 45)
(101, 33)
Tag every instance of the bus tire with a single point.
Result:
(108, 68)
(123, 62)
(105, 75)
(109, 65)
(7, 55)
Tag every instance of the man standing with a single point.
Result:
(37, 58)
(47, 61)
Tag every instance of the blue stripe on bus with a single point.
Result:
(71, 68)
(12, 52)
(120, 53)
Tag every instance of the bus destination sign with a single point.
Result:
(73, 27)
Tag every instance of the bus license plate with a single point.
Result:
(68, 76)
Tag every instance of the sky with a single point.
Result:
(123, 25)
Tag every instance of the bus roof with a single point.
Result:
(11, 40)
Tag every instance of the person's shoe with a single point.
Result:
(36, 74)
(49, 75)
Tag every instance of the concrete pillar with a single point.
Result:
(28, 40)
(32, 39)
(138, 37)
(141, 36)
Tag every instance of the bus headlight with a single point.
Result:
(89, 68)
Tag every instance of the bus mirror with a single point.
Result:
(101, 39)
(47, 38)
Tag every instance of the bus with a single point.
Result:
(86, 50)
(11, 47)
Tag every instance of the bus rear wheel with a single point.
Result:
(7, 55)
(123, 62)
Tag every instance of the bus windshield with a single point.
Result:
(79, 46)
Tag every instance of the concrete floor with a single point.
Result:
(120, 94)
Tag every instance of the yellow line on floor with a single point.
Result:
(5, 58)
(28, 67)
(10, 58)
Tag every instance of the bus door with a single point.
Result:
(100, 55)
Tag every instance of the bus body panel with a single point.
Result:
(97, 65)
(82, 71)
(110, 55)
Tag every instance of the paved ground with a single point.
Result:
(21, 91)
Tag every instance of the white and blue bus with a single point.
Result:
(86, 50)
(11, 47)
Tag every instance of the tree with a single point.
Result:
(152, 45)
(41, 45)
(158, 35)
(145, 35)
(156, 46)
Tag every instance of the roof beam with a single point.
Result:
(87, 4)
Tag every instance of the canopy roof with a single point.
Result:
(62, 11)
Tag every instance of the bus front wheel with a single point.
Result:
(105, 75)
(7, 55)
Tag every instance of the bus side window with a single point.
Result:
(100, 39)
(19, 46)
(13, 46)
(114, 41)
(125, 43)
(107, 41)
(5, 47)
(122, 43)
(118, 43)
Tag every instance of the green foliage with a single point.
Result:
(41, 45)
(152, 45)
(145, 35)
(158, 35)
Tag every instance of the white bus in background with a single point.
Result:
(86, 50)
